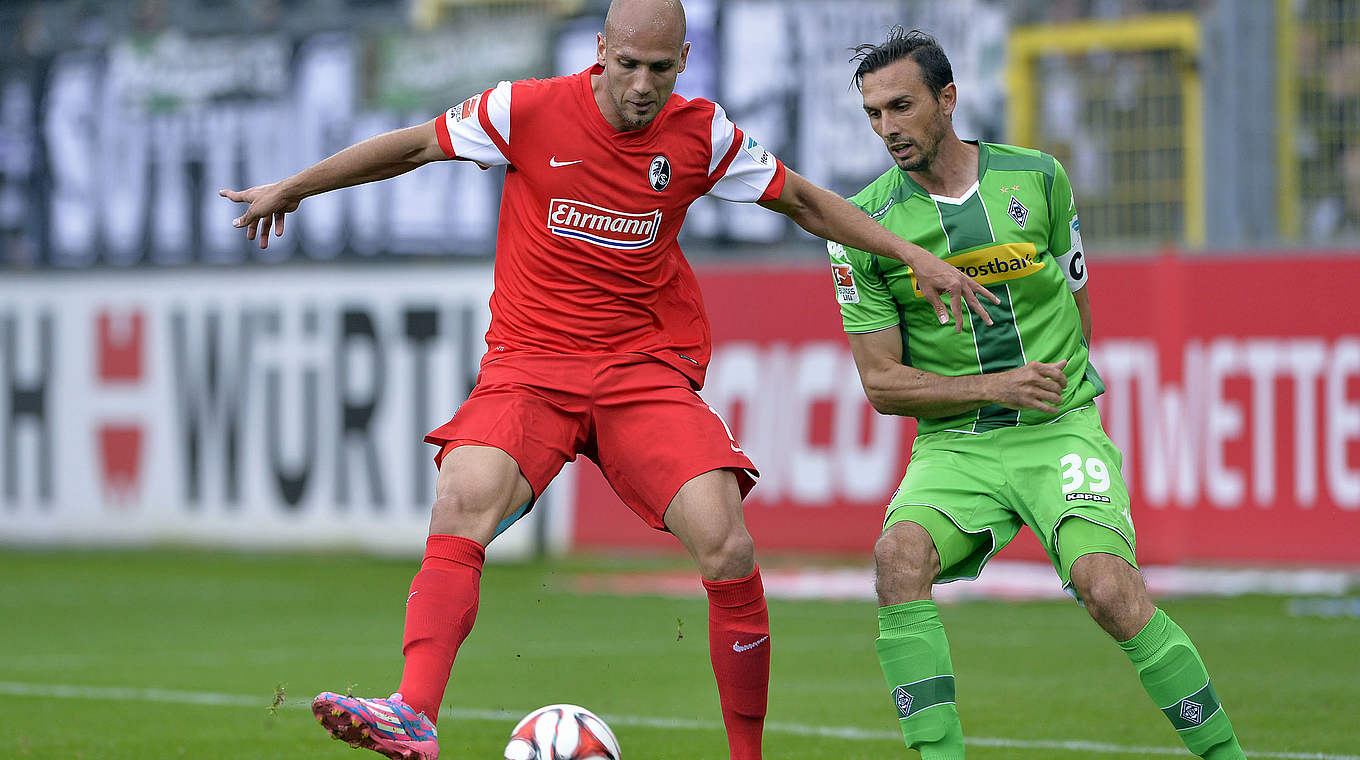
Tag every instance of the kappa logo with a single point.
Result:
(659, 173)
(1018, 212)
(1083, 496)
(603, 226)
(903, 699)
(1192, 712)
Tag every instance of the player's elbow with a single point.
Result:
(881, 398)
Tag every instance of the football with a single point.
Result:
(562, 732)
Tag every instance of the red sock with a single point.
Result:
(739, 645)
(439, 614)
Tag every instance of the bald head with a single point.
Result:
(641, 52)
(653, 21)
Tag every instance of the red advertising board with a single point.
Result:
(1233, 391)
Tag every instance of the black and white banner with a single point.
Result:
(261, 409)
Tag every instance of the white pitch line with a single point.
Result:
(173, 696)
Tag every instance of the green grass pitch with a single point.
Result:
(169, 654)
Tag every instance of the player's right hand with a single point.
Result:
(268, 204)
(935, 276)
(1037, 385)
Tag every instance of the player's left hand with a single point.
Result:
(268, 204)
(935, 276)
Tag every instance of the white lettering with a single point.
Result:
(1307, 358)
(1343, 424)
(1222, 423)
(1266, 359)
(68, 115)
(861, 460)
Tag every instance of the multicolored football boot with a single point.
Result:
(389, 726)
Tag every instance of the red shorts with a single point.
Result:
(635, 417)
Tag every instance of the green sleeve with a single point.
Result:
(866, 303)
(1064, 237)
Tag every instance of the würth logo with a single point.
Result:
(119, 365)
(603, 226)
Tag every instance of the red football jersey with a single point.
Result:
(586, 253)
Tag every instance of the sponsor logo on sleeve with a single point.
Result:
(756, 152)
(465, 109)
(845, 283)
(603, 226)
(659, 173)
(842, 273)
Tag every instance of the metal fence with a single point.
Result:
(1318, 111)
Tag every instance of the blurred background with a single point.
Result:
(204, 445)
(221, 394)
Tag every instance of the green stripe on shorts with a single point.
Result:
(912, 698)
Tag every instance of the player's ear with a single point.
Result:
(949, 97)
(599, 48)
(684, 54)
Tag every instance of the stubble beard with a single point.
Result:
(925, 158)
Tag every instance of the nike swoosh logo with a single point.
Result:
(408, 599)
(553, 162)
(739, 647)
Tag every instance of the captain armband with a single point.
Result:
(1073, 262)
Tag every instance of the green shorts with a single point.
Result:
(972, 492)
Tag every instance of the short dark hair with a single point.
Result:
(914, 44)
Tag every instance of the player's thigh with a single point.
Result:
(654, 434)
(706, 517)
(481, 478)
(1074, 496)
(951, 489)
(526, 409)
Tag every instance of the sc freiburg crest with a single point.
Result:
(659, 173)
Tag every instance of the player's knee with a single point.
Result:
(903, 567)
(734, 556)
(1115, 603)
(1103, 597)
(464, 508)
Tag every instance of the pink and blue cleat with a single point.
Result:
(389, 726)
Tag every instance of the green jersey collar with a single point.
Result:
(910, 187)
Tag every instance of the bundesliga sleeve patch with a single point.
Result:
(842, 274)
(464, 110)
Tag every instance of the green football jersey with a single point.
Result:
(1014, 232)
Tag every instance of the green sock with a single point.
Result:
(1175, 677)
(914, 654)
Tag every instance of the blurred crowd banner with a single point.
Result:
(113, 145)
(1236, 404)
(1220, 125)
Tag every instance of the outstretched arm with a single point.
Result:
(827, 215)
(895, 388)
(376, 158)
